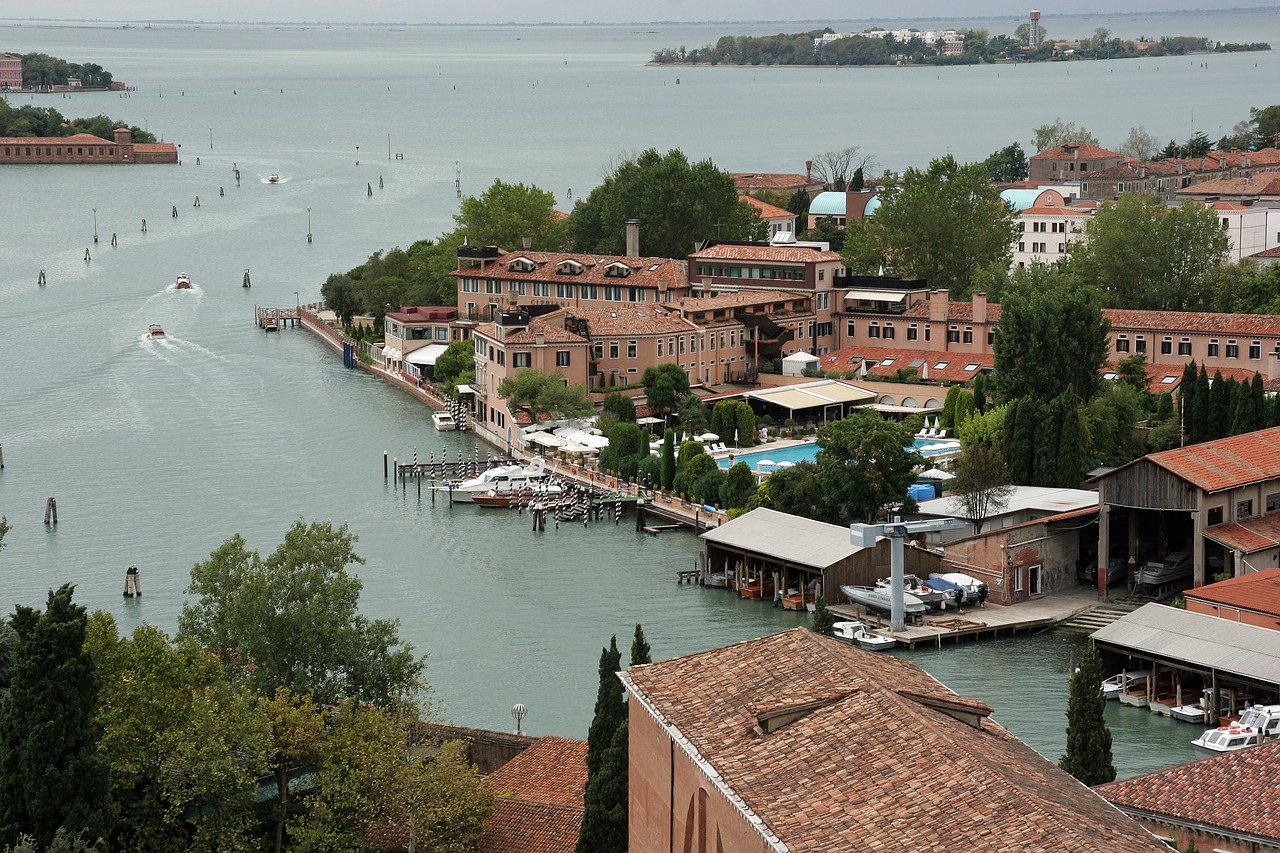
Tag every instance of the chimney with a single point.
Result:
(979, 308)
(938, 306)
(540, 338)
(527, 242)
(633, 238)
(808, 169)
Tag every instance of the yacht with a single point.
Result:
(498, 479)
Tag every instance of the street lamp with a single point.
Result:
(95, 225)
(519, 712)
(308, 225)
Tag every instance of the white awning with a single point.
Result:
(426, 355)
(546, 439)
(390, 354)
(876, 295)
(466, 389)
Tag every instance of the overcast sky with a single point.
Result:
(577, 11)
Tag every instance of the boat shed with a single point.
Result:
(1182, 648)
(773, 554)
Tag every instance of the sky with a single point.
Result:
(578, 11)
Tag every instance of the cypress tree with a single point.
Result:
(980, 393)
(1022, 450)
(1199, 428)
(1070, 443)
(1088, 755)
(640, 651)
(949, 407)
(605, 803)
(1219, 414)
(668, 473)
(51, 774)
(1045, 441)
(611, 707)
(1241, 408)
(824, 620)
(1258, 398)
(1187, 402)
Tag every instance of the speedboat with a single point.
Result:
(878, 599)
(273, 178)
(1123, 681)
(974, 589)
(500, 479)
(846, 630)
(853, 631)
(1254, 724)
(444, 421)
(938, 597)
(1176, 566)
(182, 282)
(1196, 712)
(155, 331)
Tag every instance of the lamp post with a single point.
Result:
(308, 225)
(519, 712)
(95, 225)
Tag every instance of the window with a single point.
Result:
(1213, 347)
(851, 328)
(928, 331)
(1022, 247)
(941, 365)
(521, 359)
(1244, 509)
(562, 358)
(1122, 343)
(1140, 343)
(612, 293)
(597, 350)
(953, 334)
(1273, 502)
(822, 275)
(661, 353)
(541, 288)
(913, 332)
(824, 330)
(442, 333)
(873, 330)
(681, 345)
(632, 349)
(637, 294)
(471, 285)
(493, 287)
(968, 334)
(888, 330)
(516, 287)
(1255, 350)
(564, 291)
(1184, 346)
(502, 358)
(1166, 345)
(613, 349)
(1215, 515)
(1233, 349)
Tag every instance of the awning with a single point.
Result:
(546, 439)
(647, 421)
(390, 354)
(876, 295)
(466, 389)
(426, 355)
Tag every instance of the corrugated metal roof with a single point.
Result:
(1204, 642)
(797, 540)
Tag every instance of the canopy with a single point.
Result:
(936, 474)
(648, 421)
(425, 355)
(707, 436)
(390, 354)
(870, 295)
(546, 439)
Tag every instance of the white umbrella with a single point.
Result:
(786, 464)
(766, 463)
(707, 436)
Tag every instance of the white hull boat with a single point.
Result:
(853, 631)
(1254, 724)
(1175, 567)
(444, 422)
(1120, 682)
(499, 480)
(877, 599)
(1193, 713)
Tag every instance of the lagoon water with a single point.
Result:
(157, 451)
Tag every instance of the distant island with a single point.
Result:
(46, 122)
(39, 72)
(959, 46)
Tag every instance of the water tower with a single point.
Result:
(1034, 38)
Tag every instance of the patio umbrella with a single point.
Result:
(707, 436)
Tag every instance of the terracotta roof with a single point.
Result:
(767, 211)
(879, 765)
(538, 806)
(734, 300)
(516, 826)
(552, 334)
(1259, 590)
(1213, 793)
(1223, 464)
(1201, 322)
(1082, 150)
(772, 181)
(1159, 372)
(956, 369)
(1259, 184)
(645, 272)
(632, 319)
(780, 254)
(1267, 253)
(957, 312)
(77, 139)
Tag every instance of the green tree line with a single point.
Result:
(39, 70)
(30, 120)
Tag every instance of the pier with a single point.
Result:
(272, 319)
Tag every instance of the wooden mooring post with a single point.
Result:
(132, 583)
(51, 511)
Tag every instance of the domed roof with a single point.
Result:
(1020, 199)
(873, 204)
(828, 204)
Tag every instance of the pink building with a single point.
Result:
(10, 72)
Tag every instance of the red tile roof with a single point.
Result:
(734, 300)
(1258, 591)
(1197, 322)
(1231, 793)
(1259, 184)
(767, 211)
(1223, 464)
(771, 181)
(645, 272)
(1267, 253)
(1082, 150)
(538, 806)
(957, 312)
(780, 254)
(552, 334)
(632, 319)
(878, 765)
(958, 364)
(153, 147)
(75, 139)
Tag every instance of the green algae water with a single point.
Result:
(157, 451)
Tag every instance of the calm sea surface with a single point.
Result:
(158, 451)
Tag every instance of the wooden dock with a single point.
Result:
(273, 319)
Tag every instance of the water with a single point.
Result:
(157, 451)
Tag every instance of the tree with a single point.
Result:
(1140, 144)
(619, 406)
(864, 462)
(739, 486)
(456, 365)
(1088, 756)
(1048, 136)
(292, 620)
(676, 201)
(824, 620)
(640, 651)
(944, 224)
(339, 294)
(1070, 467)
(51, 774)
(1007, 165)
(1266, 125)
(533, 392)
(295, 735)
(506, 214)
(668, 472)
(664, 386)
(606, 762)
(981, 484)
(796, 491)
(1051, 334)
(1140, 253)
(838, 169)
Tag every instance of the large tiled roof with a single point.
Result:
(632, 319)
(767, 211)
(75, 139)
(1273, 252)
(1082, 150)
(1234, 793)
(1223, 464)
(153, 147)
(538, 799)
(1258, 591)
(770, 180)
(1196, 322)
(957, 366)
(957, 312)
(780, 254)
(645, 272)
(734, 300)
(552, 334)
(879, 765)
(1261, 183)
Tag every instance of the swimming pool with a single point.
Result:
(927, 447)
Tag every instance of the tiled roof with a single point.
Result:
(1082, 150)
(631, 319)
(1225, 463)
(877, 766)
(773, 181)
(1255, 591)
(1168, 377)
(645, 272)
(734, 300)
(781, 254)
(1267, 253)
(1196, 322)
(767, 211)
(1225, 792)
(1261, 183)
(538, 805)
(153, 147)
(516, 826)
(525, 337)
(957, 312)
(1056, 211)
(960, 366)
(75, 139)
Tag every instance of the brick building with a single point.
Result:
(84, 148)
(1074, 161)
(10, 72)
(1253, 598)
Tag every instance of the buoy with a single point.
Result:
(86, 254)
(175, 211)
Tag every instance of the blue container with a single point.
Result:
(921, 492)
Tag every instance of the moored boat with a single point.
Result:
(1254, 724)
(853, 631)
(1123, 681)
(939, 598)
(877, 599)
(444, 421)
(518, 498)
(499, 479)
(155, 331)
(1195, 712)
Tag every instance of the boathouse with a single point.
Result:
(796, 741)
(774, 555)
(84, 148)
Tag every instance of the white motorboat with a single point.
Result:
(974, 589)
(1196, 712)
(1176, 566)
(877, 599)
(1122, 681)
(853, 631)
(939, 598)
(846, 630)
(444, 421)
(273, 178)
(182, 282)
(1254, 724)
(155, 330)
(499, 479)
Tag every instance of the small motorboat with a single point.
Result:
(273, 178)
(1122, 681)
(154, 331)
(1176, 567)
(853, 631)
(182, 282)
(444, 421)
(878, 599)
(499, 479)
(1254, 724)
(1196, 712)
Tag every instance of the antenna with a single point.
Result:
(457, 178)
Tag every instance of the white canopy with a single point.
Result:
(390, 354)
(648, 421)
(936, 474)
(425, 355)
(546, 439)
